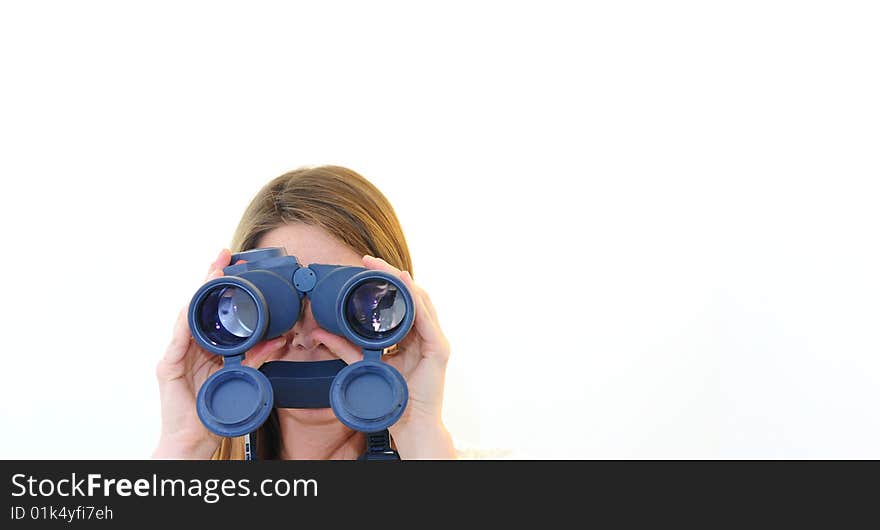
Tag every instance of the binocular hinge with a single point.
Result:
(233, 360)
(372, 355)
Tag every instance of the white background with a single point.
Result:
(650, 228)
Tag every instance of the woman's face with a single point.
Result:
(310, 244)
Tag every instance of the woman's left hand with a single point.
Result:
(421, 359)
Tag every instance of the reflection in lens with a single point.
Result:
(227, 316)
(237, 312)
(375, 308)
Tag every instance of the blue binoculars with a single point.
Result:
(260, 299)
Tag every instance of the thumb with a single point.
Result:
(337, 345)
(264, 351)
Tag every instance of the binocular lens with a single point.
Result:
(228, 316)
(237, 312)
(375, 308)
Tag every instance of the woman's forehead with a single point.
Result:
(310, 244)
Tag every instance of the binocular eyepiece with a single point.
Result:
(261, 299)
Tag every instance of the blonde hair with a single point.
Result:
(349, 208)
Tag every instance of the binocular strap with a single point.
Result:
(306, 385)
(302, 384)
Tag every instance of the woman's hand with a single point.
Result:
(422, 359)
(181, 372)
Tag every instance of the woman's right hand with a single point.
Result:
(182, 371)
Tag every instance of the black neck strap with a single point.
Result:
(306, 385)
(302, 384)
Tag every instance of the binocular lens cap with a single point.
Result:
(368, 396)
(235, 401)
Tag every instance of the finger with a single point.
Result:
(380, 264)
(216, 273)
(339, 346)
(221, 261)
(424, 294)
(263, 351)
(180, 339)
(375, 263)
(425, 325)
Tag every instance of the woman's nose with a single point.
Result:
(302, 330)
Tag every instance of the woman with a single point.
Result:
(328, 215)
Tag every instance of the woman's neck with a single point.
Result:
(304, 440)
